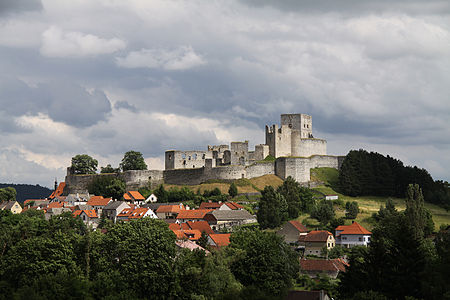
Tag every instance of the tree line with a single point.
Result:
(60, 258)
(370, 173)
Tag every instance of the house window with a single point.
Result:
(344, 238)
(360, 239)
(203, 156)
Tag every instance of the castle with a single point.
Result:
(291, 146)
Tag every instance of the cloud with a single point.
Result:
(15, 6)
(181, 58)
(57, 43)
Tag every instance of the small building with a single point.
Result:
(192, 215)
(291, 231)
(210, 205)
(152, 198)
(330, 267)
(315, 241)
(134, 197)
(113, 208)
(219, 239)
(89, 217)
(231, 206)
(58, 190)
(331, 197)
(219, 219)
(12, 206)
(352, 235)
(142, 212)
(188, 244)
(98, 203)
(169, 211)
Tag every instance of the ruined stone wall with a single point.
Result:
(260, 169)
(186, 159)
(309, 147)
(239, 153)
(261, 152)
(279, 140)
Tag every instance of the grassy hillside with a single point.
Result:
(328, 177)
(253, 185)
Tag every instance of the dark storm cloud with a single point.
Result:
(62, 101)
(13, 6)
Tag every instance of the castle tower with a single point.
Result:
(294, 137)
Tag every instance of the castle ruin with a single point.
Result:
(292, 145)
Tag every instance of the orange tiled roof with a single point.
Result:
(55, 205)
(170, 208)
(174, 226)
(193, 234)
(136, 195)
(200, 225)
(299, 226)
(180, 234)
(210, 205)
(77, 212)
(59, 190)
(138, 213)
(90, 213)
(98, 201)
(316, 236)
(221, 239)
(193, 214)
(127, 197)
(125, 212)
(354, 228)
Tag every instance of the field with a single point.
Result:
(367, 204)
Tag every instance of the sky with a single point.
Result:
(102, 77)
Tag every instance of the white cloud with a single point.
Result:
(57, 43)
(181, 58)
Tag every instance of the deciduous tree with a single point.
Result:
(133, 160)
(84, 164)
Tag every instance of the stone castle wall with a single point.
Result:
(309, 147)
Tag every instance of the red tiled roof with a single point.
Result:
(234, 205)
(138, 213)
(59, 190)
(180, 234)
(136, 195)
(299, 226)
(31, 200)
(185, 226)
(193, 234)
(77, 212)
(221, 239)
(125, 212)
(316, 236)
(200, 225)
(354, 228)
(210, 205)
(127, 197)
(55, 205)
(322, 265)
(193, 214)
(170, 208)
(174, 226)
(98, 201)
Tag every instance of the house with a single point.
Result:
(218, 219)
(188, 244)
(210, 205)
(98, 203)
(76, 199)
(315, 241)
(124, 214)
(231, 206)
(89, 217)
(12, 206)
(169, 211)
(219, 239)
(113, 208)
(308, 295)
(58, 191)
(352, 235)
(291, 231)
(192, 215)
(331, 197)
(142, 212)
(202, 226)
(330, 267)
(152, 198)
(134, 197)
(50, 212)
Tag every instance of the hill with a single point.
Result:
(254, 185)
(28, 191)
(327, 179)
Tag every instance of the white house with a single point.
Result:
(152, 199)
(352, 235)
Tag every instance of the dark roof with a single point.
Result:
(304, 295)
(114, 204)
(322, 265)
(299, 226)
(232, 215)
(154, 206)
(315, 236)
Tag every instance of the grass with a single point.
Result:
(367, 204)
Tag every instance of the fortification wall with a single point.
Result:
(308, 147)
(134, 180)
(260, 169)
(184, 176)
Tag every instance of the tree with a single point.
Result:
(351, 209)
(107, 186)
(233, 191)
(290, 189)
(84, 164)
(263, 262)
(133, 160)
(109, 169)
(272, 210)
(161, 194)
(8, 194)
(415, 210)
(323, 212)
(203, 240)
